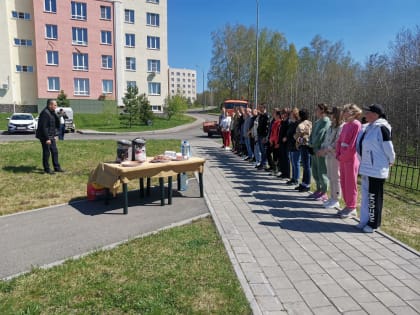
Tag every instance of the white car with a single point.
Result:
(21, 122)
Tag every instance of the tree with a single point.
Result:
(130, 115)
(175, 105)
(62, 100)
(145, 110)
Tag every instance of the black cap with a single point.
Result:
(376, 108)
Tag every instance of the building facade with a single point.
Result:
(92, 50)
(183, 82)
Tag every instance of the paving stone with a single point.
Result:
(245, 258)
(315, 299)
(355, 313)
(389, 299)
(362, 275)
(400, 274)
(326, 310)
(261, 289)
(403, 310)
(297, 275)
(256, 277)
(390, 281)
(345, 304)
(281, 283)
(338, 273)
(349, 283)
(376, 270)
(297, 308)
(288, 295)
(333, 290)
(311, 269)
(306, 286)
(415, 304)
(375, 308)
(323, 278)
(362, 296)
(374, 286)
(414, 284)
(269, 303)
(405, 293)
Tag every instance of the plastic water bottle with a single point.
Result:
(185, 150)
(184, 181)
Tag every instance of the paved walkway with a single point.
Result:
(293, 256)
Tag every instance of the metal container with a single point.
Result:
(122, 150)
(138, 150)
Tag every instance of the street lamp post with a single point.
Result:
(203, 97)
(257, 59)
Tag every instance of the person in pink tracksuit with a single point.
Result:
(347, 156)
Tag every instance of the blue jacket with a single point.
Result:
(375, 149)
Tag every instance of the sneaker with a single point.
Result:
(299, 187)
(246, 158)
(257, 165)
(303, 189)
(368, 229)
(332, 204)
(322, 197)
(227, 148)
(291, 182)
(315, 194)
(347, 213)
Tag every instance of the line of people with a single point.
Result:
(333, 150)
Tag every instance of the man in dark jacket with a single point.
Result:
(48, 123)
(262, 131)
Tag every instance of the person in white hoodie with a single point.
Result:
(376, 154)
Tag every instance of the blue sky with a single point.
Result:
(364, 26)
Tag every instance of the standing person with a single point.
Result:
(262, 130)
(270, 146)
(225, 125)
(274, 143)
(349, 163)
(48, 123)
(254, 133)
(247, 134)
(303, 132)
(319, 168)
(328, 151)
(294, 153)
(377, 154)
(63, 117)
(284, 162)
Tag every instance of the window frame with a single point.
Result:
(86, 87)
(153, 65)
(106, 62)
(53, 56)
(129, 62)
(106, 14)
(24, 68)
(50, 6)
(78, 6)
(77, 32)
(152, 1)
(22, 42)
(55, 81)
(129, 16)
(108, 36)
(152, 19)
(152, 86)
(80, 62)
(105, 85)
(153, 42)
(53, 28)
(131, 83)
(130, 40)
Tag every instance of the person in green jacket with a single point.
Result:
(319, 168)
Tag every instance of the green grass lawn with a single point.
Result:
(110, 122)
(184, 270)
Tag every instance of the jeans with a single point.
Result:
(46, 150)
(306, 164)
(295, 159)
(263, 150)
(248, 147)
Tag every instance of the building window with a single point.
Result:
(153, 1)
(21, 15)
(51, 31)
(131, 84)
(105, 12)
(107, 86)
(78, 10)
(80, 62)
(153, 65)
(23, 42)
(80, 36)
(53, 84)
(20, 68)
(130, 63)
(50, 6)
(153, 42)
(156, 108)
(52, 58)
(129, 16)
(130, 40)
(81, 87)
(154, 88)
(152, 19)
(106, 37)
(106, 62)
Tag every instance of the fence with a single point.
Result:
(405, 173)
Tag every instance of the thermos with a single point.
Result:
(122, 150)
(185, 150)
(138, 150)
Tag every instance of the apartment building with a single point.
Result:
(92, 50)
(183, 82)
